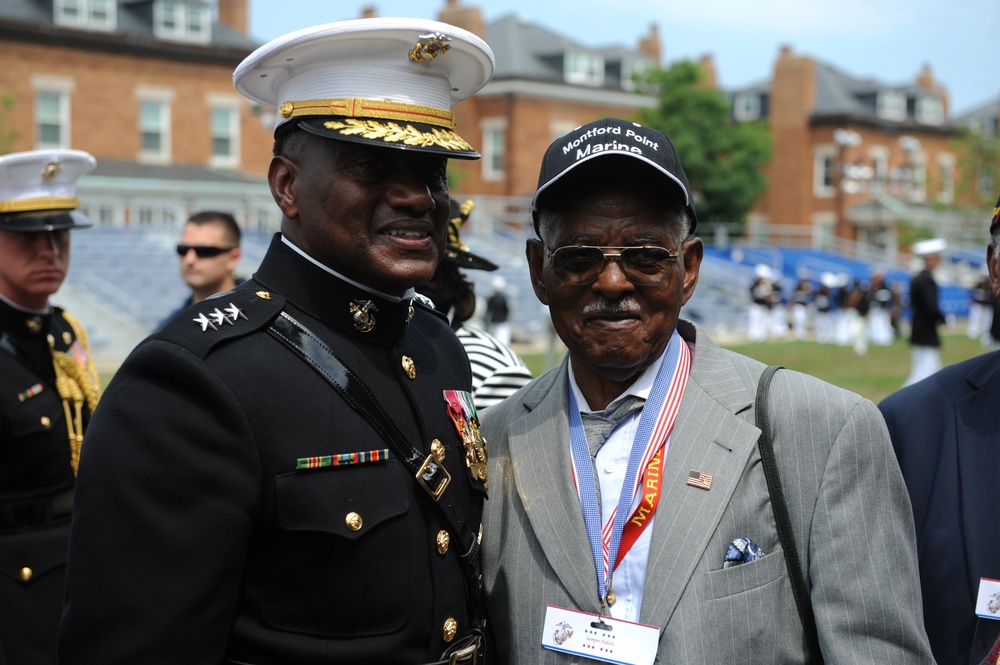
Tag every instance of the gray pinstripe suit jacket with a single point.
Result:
(849, 508)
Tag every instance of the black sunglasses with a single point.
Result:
(202, 251)
(583, 264)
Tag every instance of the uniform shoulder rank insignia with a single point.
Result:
(209, 323)
(219, 317)
(463, 413)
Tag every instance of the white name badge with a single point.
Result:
(988, 600)
(599, 638)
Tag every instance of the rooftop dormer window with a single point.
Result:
(181, 21)
(891, 105)
(86, 14)
(746, 106)
(583, 68)
(630, 69)
(929, 111)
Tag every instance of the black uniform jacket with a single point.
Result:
(36, 484)
(945, 433)
(195, 538)
(926, 311)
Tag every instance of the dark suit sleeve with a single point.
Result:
(168, 481)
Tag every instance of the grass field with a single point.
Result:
(875, 376)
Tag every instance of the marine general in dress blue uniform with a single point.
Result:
(48, 390)
(239, 501)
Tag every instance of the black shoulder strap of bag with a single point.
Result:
(781, 518)
(430, 475)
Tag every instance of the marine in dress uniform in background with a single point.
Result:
(233, 506)
(497, 370)
(925, 312)
(48, 391)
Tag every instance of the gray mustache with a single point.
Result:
(625, 305)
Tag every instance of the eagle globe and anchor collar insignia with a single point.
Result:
(463, 414)
(363, 314)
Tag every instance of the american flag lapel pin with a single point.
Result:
(700, 479)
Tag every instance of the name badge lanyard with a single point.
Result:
(654, 428)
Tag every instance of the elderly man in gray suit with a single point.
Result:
(658, 543)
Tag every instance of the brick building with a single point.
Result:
(545, 84)
(146, 87)
(854, 158)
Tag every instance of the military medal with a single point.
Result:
(463, 414)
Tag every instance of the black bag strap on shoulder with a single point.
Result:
(427, 473)
(781, 517)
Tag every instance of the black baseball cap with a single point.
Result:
(613, 137)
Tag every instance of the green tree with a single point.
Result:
(722, 158)
(978, 167)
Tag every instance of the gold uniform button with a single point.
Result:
(353, 521)
(26, 573)
(409, 367)
(46, 423)
(443, 540)
(437, 450)
(264, 295)
(449, 629)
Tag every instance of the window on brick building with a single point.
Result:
(746, 106)
(916, 186)
(181, 21)
(494, 148)
(90, 14)
(51, 119)
(946, 179)
(583, 68)
(225, 133)
(824, 163)
(891, 105)
(929, 110)
(154, 130)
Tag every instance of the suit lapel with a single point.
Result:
(707, 437)
(540, 459)
(978, 426)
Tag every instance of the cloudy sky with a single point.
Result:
(889, 40)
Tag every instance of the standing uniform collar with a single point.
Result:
(321, 293)
(24, 323)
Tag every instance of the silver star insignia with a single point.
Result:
(234, 312)
(219, 317)
(205, 322)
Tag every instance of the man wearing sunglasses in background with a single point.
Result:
(691, 568)
(209, 252)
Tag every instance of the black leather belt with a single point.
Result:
(37, 513)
